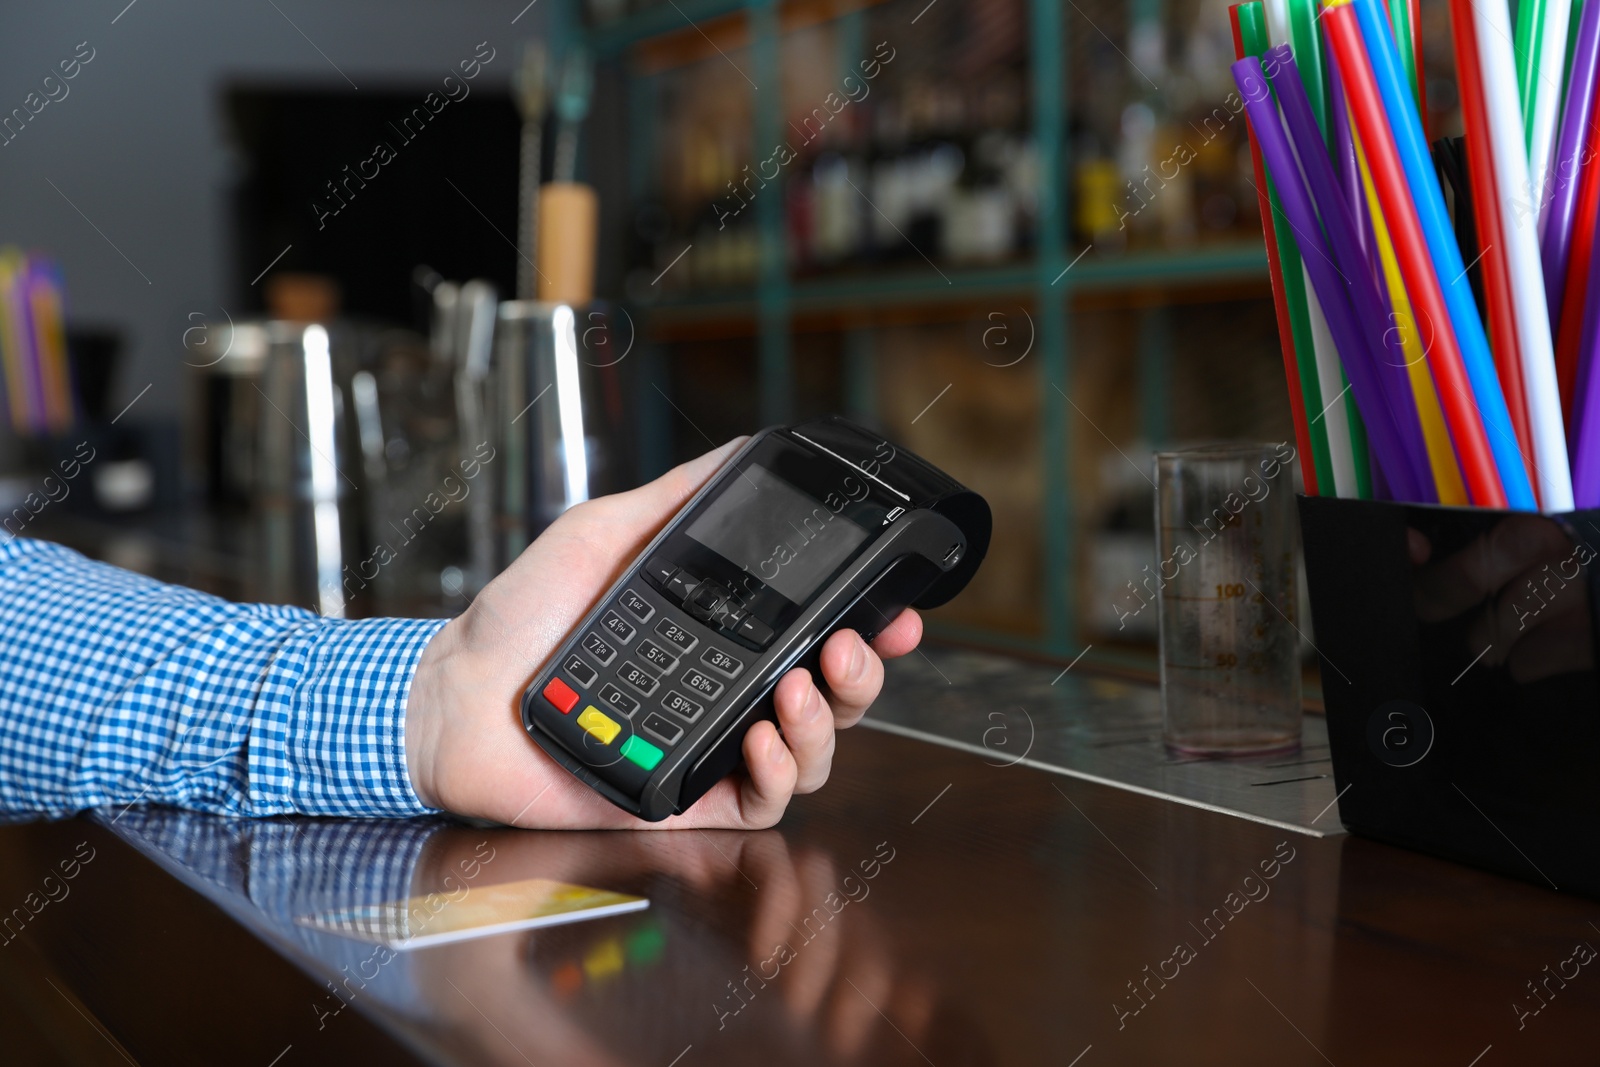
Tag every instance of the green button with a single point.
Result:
(641, 752)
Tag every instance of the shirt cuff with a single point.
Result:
(331, 740)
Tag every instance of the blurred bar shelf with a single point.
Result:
(1222, 264)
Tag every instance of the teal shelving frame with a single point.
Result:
(1049, 282)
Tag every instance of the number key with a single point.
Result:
(721, 662)
(638, 677)
(679, 704)
(636, 605)
(599, 648)
(619, 700)
(676, 635)
(619, 627)
(701, 683)
(656, 656)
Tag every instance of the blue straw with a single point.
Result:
(1414, 157)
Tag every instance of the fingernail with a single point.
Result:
(858, 659)
(813, 706)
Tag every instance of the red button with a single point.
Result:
(561, 695)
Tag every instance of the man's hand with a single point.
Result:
(465, 745)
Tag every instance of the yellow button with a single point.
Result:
(599, 726)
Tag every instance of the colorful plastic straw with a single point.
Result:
(1377, 374)
(1578, 265)
(1420, 88)
(1487, 206)
(1345, 434)
(1330, 285)
(1441, 451)
(1470, 344)
(1541, 39)
(1473, 448)
(1586, 402)
(1492, 23)
(1557, 218)
(1264, 201)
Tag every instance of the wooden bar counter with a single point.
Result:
(927, 906)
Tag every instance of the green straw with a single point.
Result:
(1307, 44)
(1529, 38)
(1400, 18)
(1308, 57)
(1253, 29)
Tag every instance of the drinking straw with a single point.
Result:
(1468, 343)
(1381, 366)
(1402, 23)
(11, 352)
(1346, 164)
(1540, 119)
(1487, 207)
(1309, 450)
(1467, 425)
(1441, 452)
(1492, 22)
(1578, 266)
(1307, 46)
(1586, 429)
(1345, 435)
(1330, 286)
(1420, 76)
(1557, 217)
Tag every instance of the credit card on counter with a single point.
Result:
(473, 911)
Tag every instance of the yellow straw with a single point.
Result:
(1435, 435)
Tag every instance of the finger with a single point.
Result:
(627, 518)
(1530, 600)
(807, 724)
(765, 791)
(900, 636)
(1558, 647)
(854, 1013)
(770, 867)
(1451, 586)
(1418, 547)
(816, 940)
(854, 675)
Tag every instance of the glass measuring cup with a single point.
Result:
(1225, 591)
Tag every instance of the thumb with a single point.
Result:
(650, 505)
(656, 501)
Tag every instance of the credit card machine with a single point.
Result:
(807, 530)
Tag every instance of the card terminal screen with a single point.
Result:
(787, 538)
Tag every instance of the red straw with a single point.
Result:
(1568, 333)
(1291, 364)
(1444, 359)
(1486, 208)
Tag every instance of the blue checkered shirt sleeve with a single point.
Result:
(117, 689)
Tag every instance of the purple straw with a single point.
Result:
(1344, 148)
(1273, 140)
(1585, 432)
(1556, 225)
(1387, 354)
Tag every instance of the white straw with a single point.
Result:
(1547, 97)
(1330, 379)
(1553, 476)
